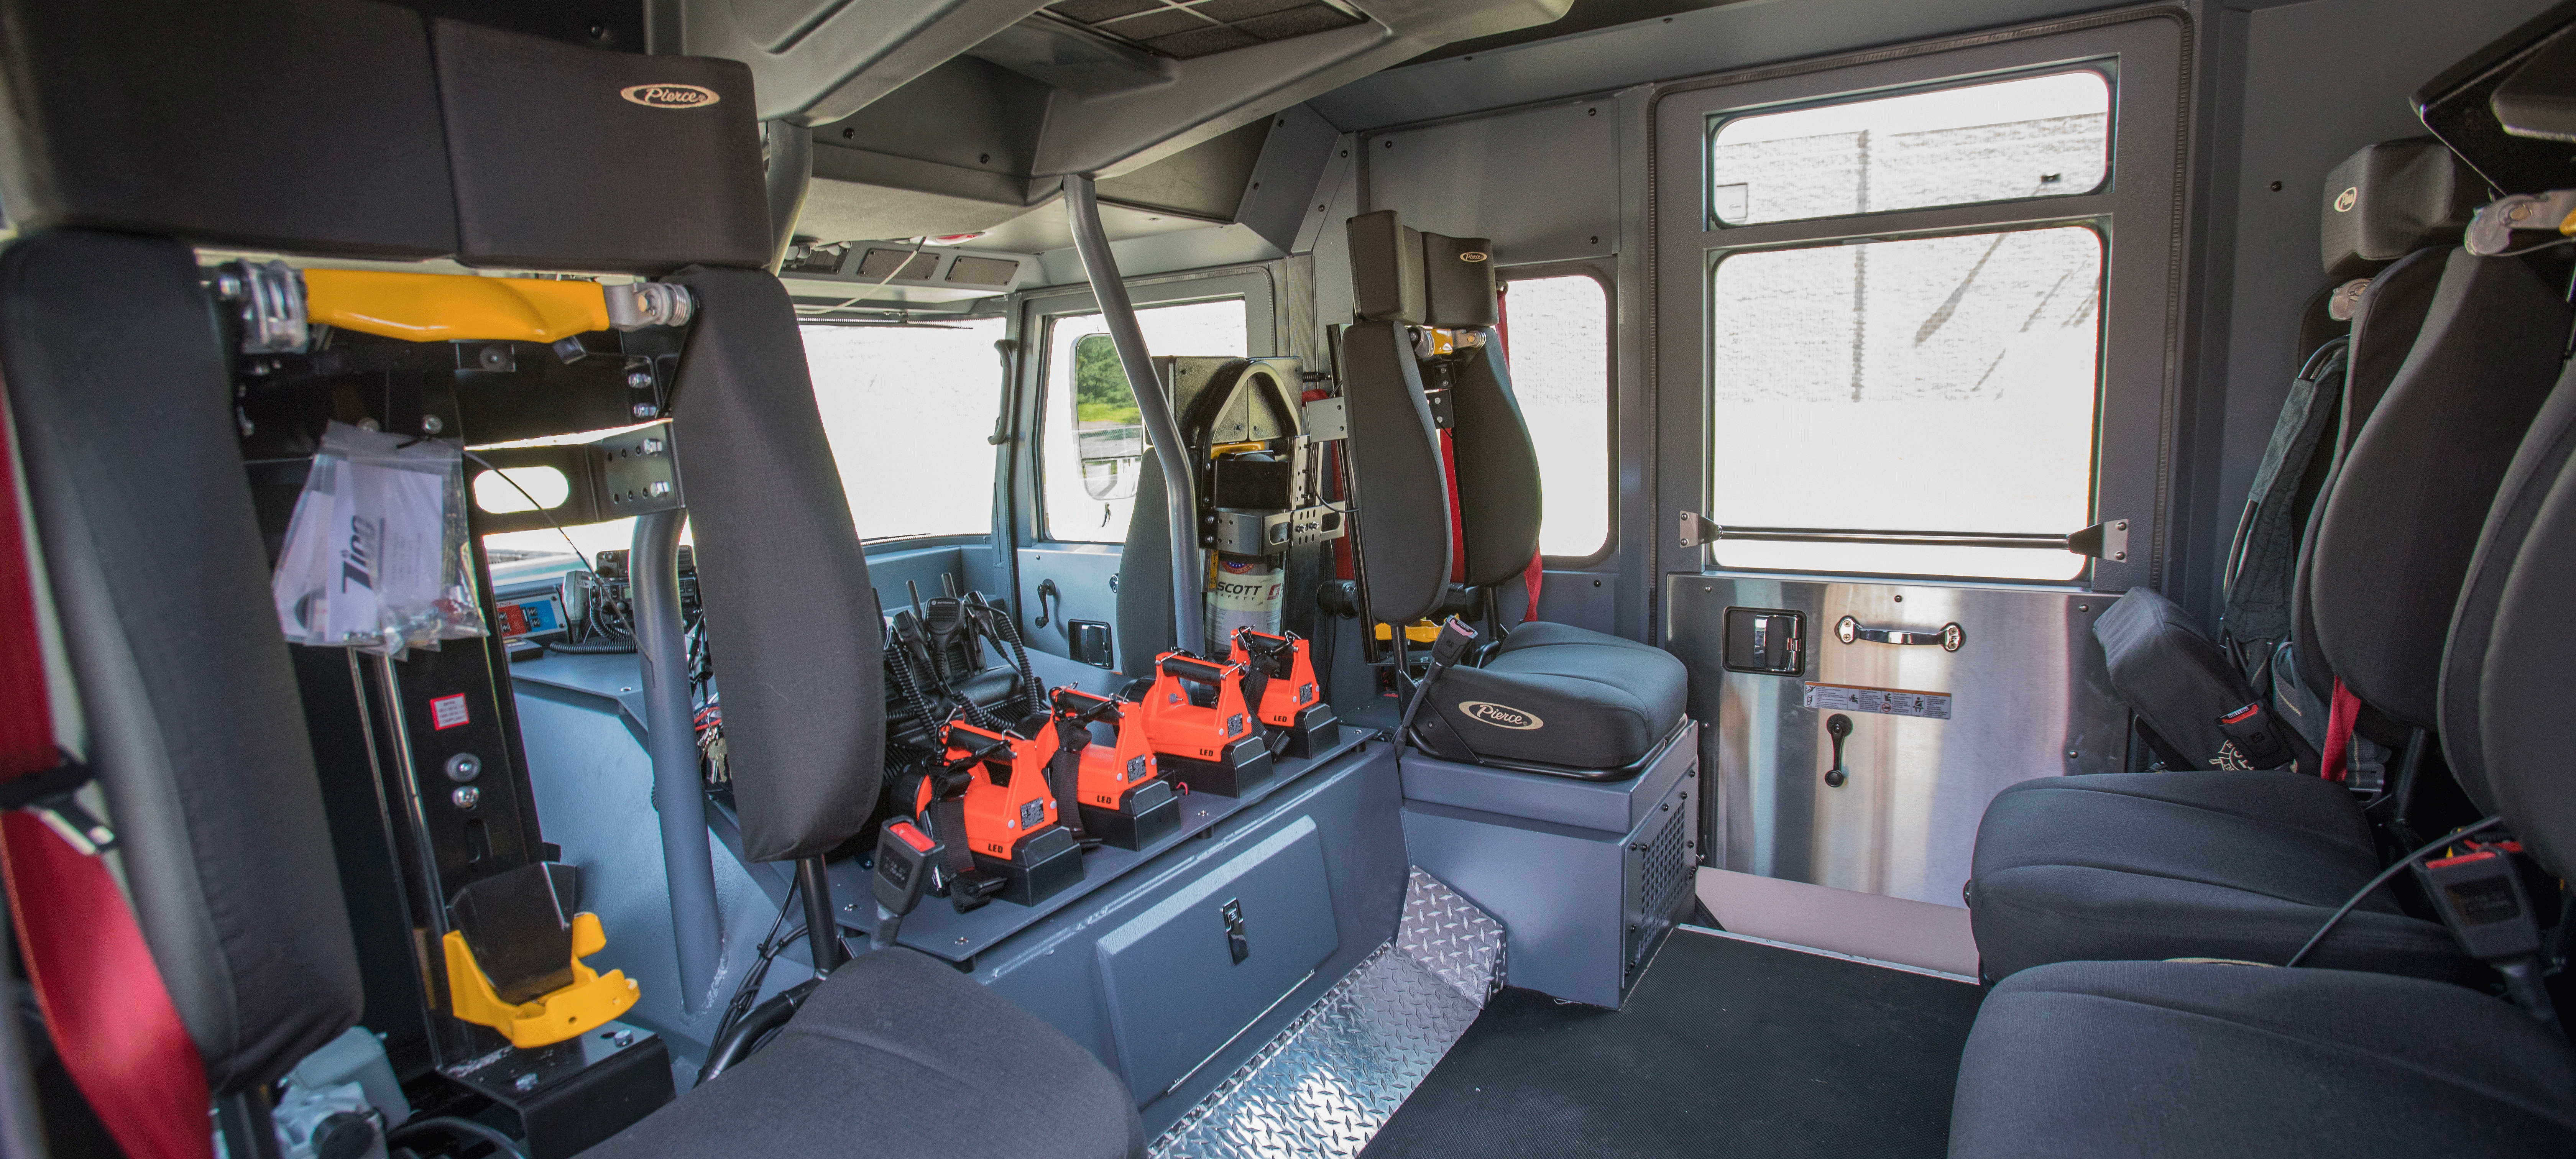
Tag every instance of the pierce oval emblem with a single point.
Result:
(2345, 200)
(1473, 255)
(670, 96)
(1500, 715)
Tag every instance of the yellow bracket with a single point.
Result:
(1419, 631)
(448, 307)
(590, 1001)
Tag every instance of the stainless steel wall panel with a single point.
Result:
(2025, 696)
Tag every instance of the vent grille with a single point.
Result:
(1183, 29)
(1665, 875)
(881, 263)
(983, 271)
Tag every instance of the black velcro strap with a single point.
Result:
(59, 781)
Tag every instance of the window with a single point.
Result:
(1934, 384)
(2044, 136)
(908, 409)
(1558, 340)
(1094, 436)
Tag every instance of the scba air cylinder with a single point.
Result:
(1243, 592)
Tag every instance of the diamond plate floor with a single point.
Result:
(1329, 1081)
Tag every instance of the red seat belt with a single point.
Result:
(2340, 716)
(1534, 579)
(110, 1016)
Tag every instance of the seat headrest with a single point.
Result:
(2393, 198)
(575, 158)
(1399, 274)
(300, 125)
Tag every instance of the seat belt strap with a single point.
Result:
(110, 1015)
(2340, 718)
(1457, 518)
(1534, 579)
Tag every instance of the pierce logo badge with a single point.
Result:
(1473, 256)
(1500, 715)
(670, 96)
(2345, 200)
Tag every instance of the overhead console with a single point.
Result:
(950, 118)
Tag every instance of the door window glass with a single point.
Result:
(2045, 136)
(909, 409)
(1930, 384)
(1094, 435)
(1559, 346)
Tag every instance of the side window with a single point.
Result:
(1094, 440)
(1952, 381)
(1558, 342)
(908, 409)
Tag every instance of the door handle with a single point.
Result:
(1951, 635)
(1839, 727)
(1046, 591)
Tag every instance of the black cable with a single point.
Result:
(591, 648)
(459, 1128)
(749, 988)
(2437, 844)
(577, 552)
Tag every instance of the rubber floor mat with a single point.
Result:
(1726, 1048)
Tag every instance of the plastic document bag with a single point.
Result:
(375, 556)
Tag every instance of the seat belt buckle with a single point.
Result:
(905, 857)
(1454, 640)
(2480, 897)
(2253, 741)
(50, 797)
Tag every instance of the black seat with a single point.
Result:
(119, 389)
(2185, 1058)
(1549, 694)
(2152, 867)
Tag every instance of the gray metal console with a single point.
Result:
(1587, 876)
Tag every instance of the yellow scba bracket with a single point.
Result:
(1419, 631)
(447, 307)
(590, 1001)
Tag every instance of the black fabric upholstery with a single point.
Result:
(1386, 269)
(2187, 863)
(1458, 281)
(1401, 493)
(2528, 683)
(788, 608)
(2545, 452)
(1145, 629)
(1567, 696)
(1499, 500)
(2117, 1059)
(560, 162)
(898, 1054)
(2398, 529)
(112, 363)
(1402, 275)
(2179, 683)
(2393, 198)
(303, 125)
(2384, 328)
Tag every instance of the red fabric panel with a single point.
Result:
(1534, 579)
(1457, 525)
(2340, 717)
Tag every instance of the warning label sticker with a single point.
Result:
(1890, 701)
(449, 711)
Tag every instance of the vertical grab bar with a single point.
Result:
(671, 738)
(1083, 210)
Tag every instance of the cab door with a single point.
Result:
(1896, 297)
(1079, 454)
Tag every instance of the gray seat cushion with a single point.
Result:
(2113, 1059)
(1560, 695)
(2188, 863)
(898, 1054)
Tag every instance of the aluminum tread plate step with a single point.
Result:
(1326, 1084)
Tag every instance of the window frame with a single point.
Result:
(1607, 279)
(994, 514)
(1033, 331)
(2140, 213)
(2107, 67)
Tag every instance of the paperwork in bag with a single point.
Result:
(375, 556)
